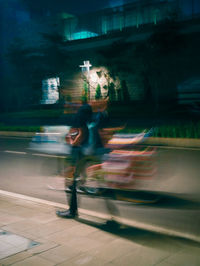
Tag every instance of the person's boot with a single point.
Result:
(73, 210)
(66, 214)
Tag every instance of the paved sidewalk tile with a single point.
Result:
(34, 261)
(64, 242)
(187, 256)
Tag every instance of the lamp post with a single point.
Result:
(86, 68)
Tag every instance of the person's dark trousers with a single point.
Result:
(73, 199)
(72, 212)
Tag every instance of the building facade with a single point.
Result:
(123, 17)
(84, 33)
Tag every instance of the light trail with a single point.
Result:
(16, 152)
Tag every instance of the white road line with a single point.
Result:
(136, 224)
(48, 155)
(36, 154)
(16, 152)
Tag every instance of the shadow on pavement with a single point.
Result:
(140, 236)
(174, 201)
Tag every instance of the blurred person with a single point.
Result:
(84, 139)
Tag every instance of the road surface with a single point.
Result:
(30, 173)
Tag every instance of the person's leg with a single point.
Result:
(72, 212)
(73, 200)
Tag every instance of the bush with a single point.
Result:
(189, 130)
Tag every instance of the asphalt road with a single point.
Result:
(177, 183)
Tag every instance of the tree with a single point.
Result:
(111, 92)
(125, 92)
(98, 92)
(84, 96)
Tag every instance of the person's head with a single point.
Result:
(86, 113)
(83, 116)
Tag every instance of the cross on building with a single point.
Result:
(86, 66)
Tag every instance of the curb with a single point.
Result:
(175, 142)
(123, 221)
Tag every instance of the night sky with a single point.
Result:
(84, 6)
(75, 6)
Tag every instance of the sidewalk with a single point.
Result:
(31, 234)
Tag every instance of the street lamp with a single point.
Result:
(86, 68)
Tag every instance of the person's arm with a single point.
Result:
(76, 136)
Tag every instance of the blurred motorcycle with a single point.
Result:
(118, 170)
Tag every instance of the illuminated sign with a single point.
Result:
(50, 93)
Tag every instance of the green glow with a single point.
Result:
(65, 15)
(83, 35)
(104, 25)
(121, 22)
